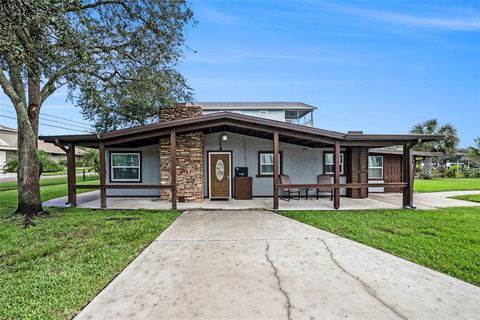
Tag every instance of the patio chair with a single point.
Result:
(324, 179)
(284, 179)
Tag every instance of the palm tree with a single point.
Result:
(91, 159)
(46, 163)
(447, 145)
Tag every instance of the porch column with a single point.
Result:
(103, 191)
(173, 167)
(408, 176)
(275, 170)
(336, 178)
(71, 175)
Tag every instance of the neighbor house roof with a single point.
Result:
(8, 129)
(255, 106)
(53, 149)
(238, 123)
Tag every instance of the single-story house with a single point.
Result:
(9, 146)
(190, 156)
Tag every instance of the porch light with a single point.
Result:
(224, 137)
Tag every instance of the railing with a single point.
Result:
(121, 186)
(343, 185)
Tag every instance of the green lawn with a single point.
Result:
(52, 270)
(469, 197)
(446, 184)
(447, 240)
(56, 173)
(50, 189)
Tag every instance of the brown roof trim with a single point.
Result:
(232, 118)
(399, 152)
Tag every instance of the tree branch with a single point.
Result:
(9, 90)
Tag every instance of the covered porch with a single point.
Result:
(355, 144)
(91, 200)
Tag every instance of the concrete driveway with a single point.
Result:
(259, 265)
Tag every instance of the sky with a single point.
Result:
(376, 66)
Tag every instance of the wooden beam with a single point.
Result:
(103, 173)
(173, 168)
(122, 186)
(336, 177)
(343, 185)
(60, 145)
(275, 169)
(408, 177)
(71, 175)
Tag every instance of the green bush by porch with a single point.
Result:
(446, 240)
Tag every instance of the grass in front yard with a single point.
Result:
(51, 270)
(446, 184)
(468, 197)
(50, 189)
(446, 240)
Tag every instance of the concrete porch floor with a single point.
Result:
(374, 201)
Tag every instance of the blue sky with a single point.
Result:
(376, 66)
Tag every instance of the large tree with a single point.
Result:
(447, 145)
(116, 57)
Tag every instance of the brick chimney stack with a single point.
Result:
(180, 111)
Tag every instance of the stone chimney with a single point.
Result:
(190, 156)
(180, 111)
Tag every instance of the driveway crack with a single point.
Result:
(288, 304)
(367, 288)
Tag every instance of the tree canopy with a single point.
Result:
(447, 145)
(117, 58)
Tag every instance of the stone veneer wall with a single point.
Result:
(190, 161)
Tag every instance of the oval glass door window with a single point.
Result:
(219, 169)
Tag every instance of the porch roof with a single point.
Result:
(238, 123)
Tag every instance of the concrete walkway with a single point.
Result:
(374, 201)
(260, 265)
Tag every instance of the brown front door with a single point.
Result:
(392, 171)
(219, 175)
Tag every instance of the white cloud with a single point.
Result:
(470, 22)
(209, 14)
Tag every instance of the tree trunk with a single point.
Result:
(29, 200)
(427, 168)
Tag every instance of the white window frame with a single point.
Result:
(342, 161)
(382, 167)
(280, 166)
(139, 167)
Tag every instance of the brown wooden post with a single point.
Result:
(173, 168)
(336, 178)
(71, 175)
(103, 191)
(408, 176)
(275, 170)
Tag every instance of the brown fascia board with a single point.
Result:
(263, 125)
(393, 137)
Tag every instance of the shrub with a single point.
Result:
(46, 163)
(451, 172)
